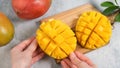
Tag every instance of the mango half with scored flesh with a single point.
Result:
(93, 30)
(56, 39)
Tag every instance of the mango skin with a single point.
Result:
(6, 30)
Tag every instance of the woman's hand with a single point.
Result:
(77, 60)
(25, 54)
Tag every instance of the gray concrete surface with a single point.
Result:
(105, 57)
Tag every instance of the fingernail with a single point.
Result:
(32, 38)
(72, 55)
(62, 62)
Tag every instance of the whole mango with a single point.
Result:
(93, 30)
(6, 30)
(30, 9)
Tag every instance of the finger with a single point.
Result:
(36, 52)
(64, 65)
(23, 45)
(83, 58)
(38, 57)
(69, 63)
(32, 47)
(75, 60)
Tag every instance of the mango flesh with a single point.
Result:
(93, 30)
(6, 30)
(56, 39)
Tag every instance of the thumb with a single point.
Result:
(32, 47)
(75, 60)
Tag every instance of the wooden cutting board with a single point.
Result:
(70, 18)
